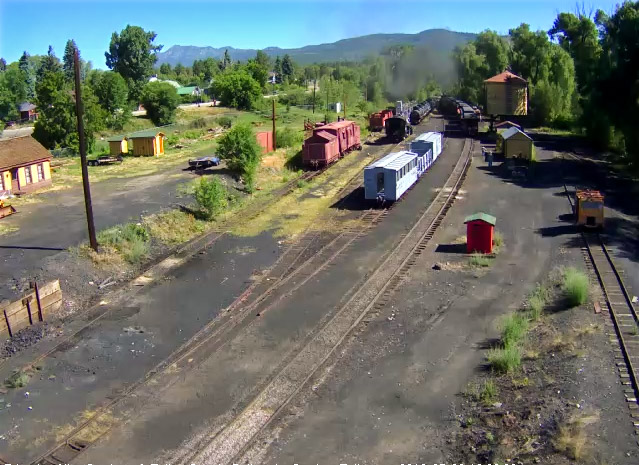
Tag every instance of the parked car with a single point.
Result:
(9, 124)
(105, 160)
(204, 162)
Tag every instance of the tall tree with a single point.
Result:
(237, 89)
(530, 53)
(287, 67)
(50, 62)
(13, 91)
(160, 100)
(165, 68)
(26, 66)
(277, 67)
(262, 59)
(112, 94)
(132, 54)
(226, 60)
(67, 60)
(495, 48)
(3, 65)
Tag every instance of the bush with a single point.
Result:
(225, 121)
(211, 197)
(191, 134)
(288, 137)
(575, 286)
(242, 153)
(237, 89)
(173, 139)
(160, 100)
(174, 226)
(198, 123)
(130, 240)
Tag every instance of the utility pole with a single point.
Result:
(274, 136)
(83, 153)
(314, 88)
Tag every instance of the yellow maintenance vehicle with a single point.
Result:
(590, 209)
(6, 210)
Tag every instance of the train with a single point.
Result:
(465, 116)
(398, 128)
(419, 112)
(329, 142)
(390, 177)
(377, 121)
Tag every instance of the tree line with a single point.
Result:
(582, 73)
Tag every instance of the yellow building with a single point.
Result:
(118, 145)
(506, 94)
(147, 143)
(25, 165)
(515, 144)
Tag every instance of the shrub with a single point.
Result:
(498, 239)
(237, 89)
(198, 123)
(505, 360)
(174, 226)
(130, 240)
(240, 150)
(225, 121)
(288, 137)
(575, 286)
(191, 134)
(211, 197)
(173, 139)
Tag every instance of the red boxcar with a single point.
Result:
(321, 149)
(377, 120)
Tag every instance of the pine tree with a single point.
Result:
(67, 60)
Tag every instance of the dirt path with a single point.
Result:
(392, 394)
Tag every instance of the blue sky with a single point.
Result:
(33, 25)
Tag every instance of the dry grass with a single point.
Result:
(478, 260)
(174, 226)
(7, 229)
(572, 439)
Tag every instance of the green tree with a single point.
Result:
(26, 66)
(237, 89)
(112, 94)
(165, 68)
(257, 72)
(160, 100)
(242, 153)
(67, 60)
(13, 91)
(262, 59)
(49, 63)
(178, 69)
(277, 67)
(530, 53)
(132, 55)
(495, 49)
(3, 64)
(226, 61)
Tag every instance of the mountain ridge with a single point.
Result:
(350, 49)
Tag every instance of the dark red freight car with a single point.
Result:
(329, 142)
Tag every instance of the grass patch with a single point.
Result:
(130, 240)
(174, 226)
(537, 301)
(479, 260)
(505, 360)
(576, 286)
(18, 380)
(302, 183)
(488, 392)
(498, 239)
(513, 329)
(7, 229)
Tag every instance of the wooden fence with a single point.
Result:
(31, 308)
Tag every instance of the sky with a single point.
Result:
(33, 25)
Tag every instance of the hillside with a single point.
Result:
(355, 48)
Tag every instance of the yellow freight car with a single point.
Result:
(590, 209)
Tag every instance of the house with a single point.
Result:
(147, 143)
(118, 145)
(27, 111)
(515, 143)
(506, 94)
(25, 165)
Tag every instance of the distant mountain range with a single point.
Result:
(356, 48)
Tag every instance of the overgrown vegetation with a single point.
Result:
(130, 240)
(479, 260)
(288, 137)
(174, 227)
(242, 154)
(18, 379)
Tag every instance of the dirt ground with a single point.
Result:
(397, 391)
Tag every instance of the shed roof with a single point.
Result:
(506, 76)
(145, 134)
(187, 90)
(116, 138)
(490, 219)
(26, 106)
(510, 132)
(21, 151)
(507, 123)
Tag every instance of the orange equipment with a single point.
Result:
(590, 209)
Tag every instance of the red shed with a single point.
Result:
(322, 148)
(479, 232)
(265, 140)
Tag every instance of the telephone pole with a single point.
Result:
(274, 136)
(314, 88)
(83, 152)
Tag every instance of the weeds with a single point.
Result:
(131, 241)
(19, 379)
(498, 239)
(576, 286)
(301, 184)
(514, 328)
(505, 360)
(225, 121)
(488, 393)
(6, 229)
(174, 227)
(479, 260)
(571, 436)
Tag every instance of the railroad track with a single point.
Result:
(623, 314)
(229, 443)
(287, 275)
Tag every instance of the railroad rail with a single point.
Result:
(290, 272)
(230, 442)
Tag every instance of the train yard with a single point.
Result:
(348, 341)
